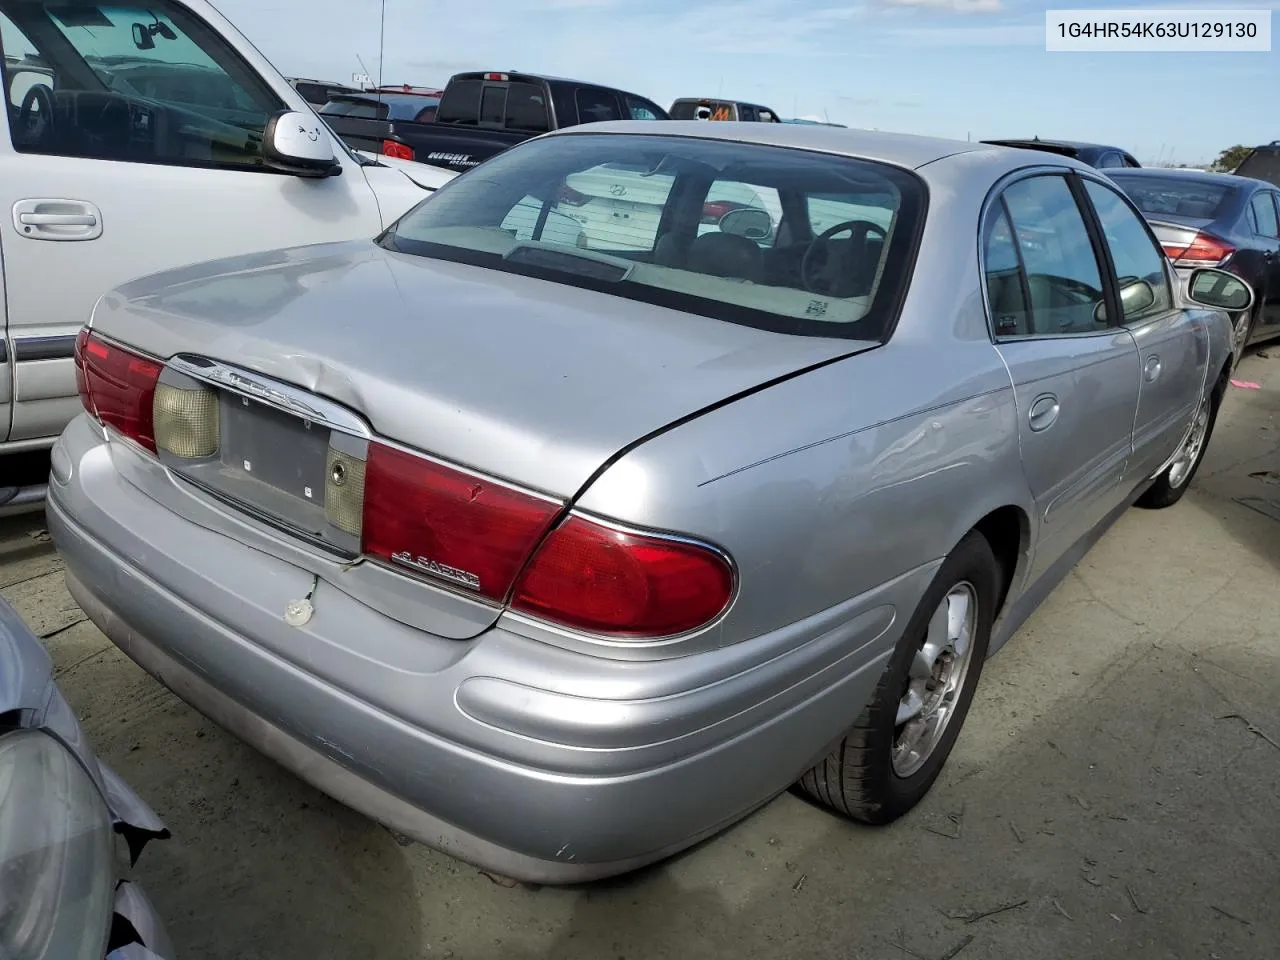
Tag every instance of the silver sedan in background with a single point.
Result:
(560, 556)
(62, 892)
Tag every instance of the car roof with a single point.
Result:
(1195, 176)
(1065, 144)
(900, 149)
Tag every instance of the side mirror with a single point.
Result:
(1135, 296)
(298, 143)
(1219, 289)
(749, 222)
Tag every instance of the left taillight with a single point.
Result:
(117, 387)
(397, 151)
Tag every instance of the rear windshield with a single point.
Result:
(359, 107)
(702, 110)
(787, 240)
(1261, 165)
(1174, 195)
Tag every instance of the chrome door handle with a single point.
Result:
(1152, 370)
(1044, 412)
(57, 219)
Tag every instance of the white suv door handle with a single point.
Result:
(58, 219)
(55, 219)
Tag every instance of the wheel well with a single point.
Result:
(1006, 530)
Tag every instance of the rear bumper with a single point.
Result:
(528, 760)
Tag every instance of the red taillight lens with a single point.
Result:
(399, 151)
(595, 578)
(117, 386)
(1205, 250)
(452, 526)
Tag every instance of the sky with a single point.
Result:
(952, 68)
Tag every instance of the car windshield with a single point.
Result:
(787, 240)
(1179, 196)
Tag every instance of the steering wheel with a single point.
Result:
(817, 259)
(35, 127)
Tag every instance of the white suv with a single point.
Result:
(141, 138)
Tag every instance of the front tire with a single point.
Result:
(1172, 484)
(896, 748)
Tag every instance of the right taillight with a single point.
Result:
(398, 151)
(497, 543)
(117, 386)
(1204, 250)
(594, 577)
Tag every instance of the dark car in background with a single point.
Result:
(1217, 220)
(1095, 154)
(380, 122)
(698, 108)
(1262, 163)
(319, 92)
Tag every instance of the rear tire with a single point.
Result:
(1172, 484)
(886, 764)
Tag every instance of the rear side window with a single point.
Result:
(596, 105)
(634, 216)
(1183, 197)
(1263, 214)
(460, 102)
(1061, 272)
(1006, 284)
(747, 112)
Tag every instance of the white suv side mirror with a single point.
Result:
(298, 143)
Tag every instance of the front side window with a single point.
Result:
(664, 220)
(1139, 262)
(638, 109)
(130, 82)
(1264, 215)
(1063, 280)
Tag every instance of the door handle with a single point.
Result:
(1152, 370)
(1044, 412)
(55, 219)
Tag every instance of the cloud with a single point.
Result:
(995, 35)
(953, 6)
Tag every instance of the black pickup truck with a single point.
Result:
(481, 114)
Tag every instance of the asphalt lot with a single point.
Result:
(1115, 788)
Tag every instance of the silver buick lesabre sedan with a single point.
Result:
(559, 557)
(63, 892)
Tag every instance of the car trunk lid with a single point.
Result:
(521, 385)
